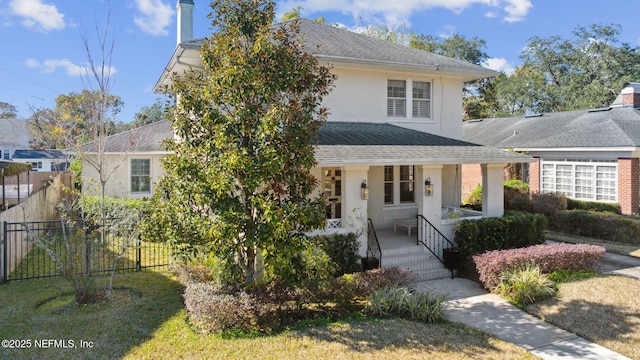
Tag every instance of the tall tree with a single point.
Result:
(247, 123)
(149, 114)
(455, 46)
(8, 111)
(585, 72)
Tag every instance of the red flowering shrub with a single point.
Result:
(547, 257)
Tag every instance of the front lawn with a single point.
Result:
(146, 319)
(602, 308)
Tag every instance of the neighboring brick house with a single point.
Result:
(589, 155)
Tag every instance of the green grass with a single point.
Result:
(145, 319)
(602, 308)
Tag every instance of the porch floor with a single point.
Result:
(389, 239)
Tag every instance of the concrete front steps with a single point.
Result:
(418, 260)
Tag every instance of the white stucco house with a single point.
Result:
(395, 128)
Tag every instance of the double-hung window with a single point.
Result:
(140, 175)
(421, 102)
(399, 185)
(396, 98)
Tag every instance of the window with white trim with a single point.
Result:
(421, 102)
(396, 98)
(399, 185)
(35, 166)
(589, 180)
(6, 153)
(140, 175)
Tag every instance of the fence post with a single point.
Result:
(139, 254)
(4, 251)
(87, 249)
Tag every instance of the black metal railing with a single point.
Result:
(41, 249)
(431, 238)
(373, 245)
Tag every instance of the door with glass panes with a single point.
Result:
(332, 190)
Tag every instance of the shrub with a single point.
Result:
(606, 226)
(343, 251)
(516, 195)
(548, 257)
(516, 185)
(548, 203)
(515, 229)
(474, 200)
(399, 301)
(524, 285)
(593, 206)
(212, 309)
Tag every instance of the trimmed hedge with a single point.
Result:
(605, 226)
(593, 206)
(547, 257)
(515, 229)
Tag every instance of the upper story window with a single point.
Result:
(396, 98)
(140, 175)
(421, 99)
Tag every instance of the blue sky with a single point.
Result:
(44, 54)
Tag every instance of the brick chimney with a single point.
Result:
(631, 95)
(184, 9)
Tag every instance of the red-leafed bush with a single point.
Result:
(547, 257)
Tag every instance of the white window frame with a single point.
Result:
(586, 180)
(396, 104)
(5, 153)
(415, 101)
(410, 102)
(131, 176)
(36, 165)
(396, 181)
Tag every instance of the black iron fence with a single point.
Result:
(41, 249)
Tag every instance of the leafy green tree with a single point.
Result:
(559, 74)
(455, 46)
(149, 114)
(238, 180)
(8, 111)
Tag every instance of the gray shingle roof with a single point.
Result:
(146, 138)
(354, 133)
(332, 42)
(14, 131)
(343, 143)
(39, 154)
(612, 127)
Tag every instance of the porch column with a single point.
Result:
(492, 190)
(355, 214)
(430, 206)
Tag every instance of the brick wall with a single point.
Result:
(629, 185)
(534, 176)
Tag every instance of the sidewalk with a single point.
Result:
(468, 303)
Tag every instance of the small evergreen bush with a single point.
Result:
(524, 285)
(474, 200)
(515, 229)
(605, 226)
(593, 206)
(548, 203)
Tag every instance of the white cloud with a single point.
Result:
(500, 64)
(517, 10)
(398, 12)
(38, 15)
(50, 65)
(154, 18)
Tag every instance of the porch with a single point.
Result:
(398, 249)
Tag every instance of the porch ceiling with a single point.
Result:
(341, 155)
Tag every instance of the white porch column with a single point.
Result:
(354, 216)
(430, 206)
(492, 190)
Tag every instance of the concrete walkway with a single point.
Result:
(468, 303)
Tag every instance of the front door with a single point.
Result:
(332, 190)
